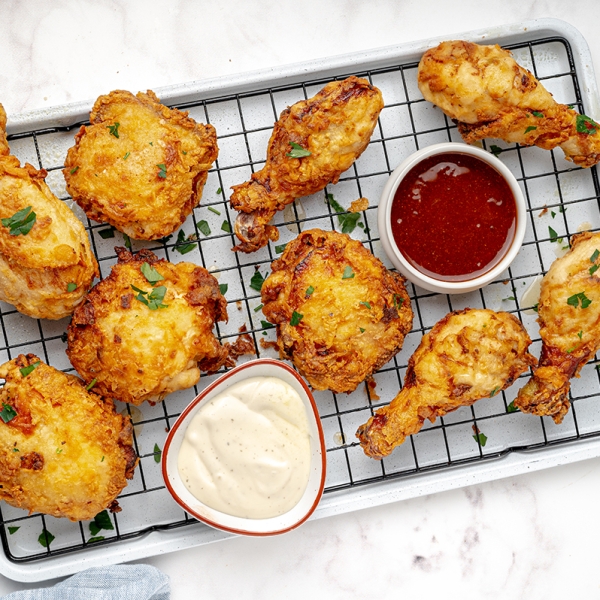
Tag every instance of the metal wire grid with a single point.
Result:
(243, 123)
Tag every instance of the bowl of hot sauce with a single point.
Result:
(452, 218)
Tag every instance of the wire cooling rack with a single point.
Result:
(562, 199)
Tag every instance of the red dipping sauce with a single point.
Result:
(453, 217)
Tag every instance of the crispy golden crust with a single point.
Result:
(350, 326)
(67, 453)
(118, 180)
(468, 355)
(335, 126)
(569, 331)
(37, 268)
(135, 353)
(491, 96)
(3, 143)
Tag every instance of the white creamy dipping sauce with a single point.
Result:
(247, 450)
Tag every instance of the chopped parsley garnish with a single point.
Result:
(537, 114)
(27, 370)
(279, 249)
(536, 307)
(204, 227)
(494, 391)
(593, 269)
(114, 129)
(150, 273)
(12, 530)
(71, 287)
(8, 413)
(91, 384)
(165, 240)
(162, 171)
(154, 299)
(267, 325)
(309, 290)
(219, 191)
(584, 124)
(398, 301)
(257, 281)
(367, 304)
(225, 226)
(348, 273)
(297, 151)
(101, 521)
(105, 234)
(127, 241)
(579, 299)
(509, 298)
(182, 245)
(96, 538)
(495, 150)
(580, 334)
(214, 210)
(594, 257)
(296, 318)
(258, 307)
(21, 222)
(553, 214)
(59, 451)
(530, 128)
(362, 330)
(74, 170)
(157, 453)
(553, 235)
(347, 220)
(511, 407)
(481, 438)
(127, 154)
(45, 538)
(223, 287)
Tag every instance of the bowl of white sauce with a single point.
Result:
(248, 455)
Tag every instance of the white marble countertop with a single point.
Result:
(530, 536)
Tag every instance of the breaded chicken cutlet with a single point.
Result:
(146, 330)
(139, 165)
(490, 95)
(46, 264)
(340, 314)
(312, 144)
(64, 451)
(468, 355)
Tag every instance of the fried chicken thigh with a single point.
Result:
(64, 451)
(146, 330)
(491, 96)
(333, 129)
(46, 264)
(340, 314)
(468, 355)
(139, 165)
(569, 318)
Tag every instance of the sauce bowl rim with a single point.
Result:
(319, 445)
(385, 226)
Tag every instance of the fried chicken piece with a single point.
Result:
(64, 451)
(491, 96)
(468, 355)
(334, 126)
(340, 314)
(139, 166)
(146, 330)
(46, 264)
(569, 318)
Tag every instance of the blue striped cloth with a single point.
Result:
(119, 582)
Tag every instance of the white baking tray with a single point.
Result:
(418, 467)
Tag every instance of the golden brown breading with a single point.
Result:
(354, 312)
(335, 126)
(143, 346)
(67, 452)
(491, 96)
(45, 272)
(569, 318)
(3, 143)
(139, 166)
(468, 355)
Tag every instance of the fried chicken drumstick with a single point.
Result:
(468, 355)
(491, 96)
(327, 133)
(569, 318)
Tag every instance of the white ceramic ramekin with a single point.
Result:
(263, 367)
(385, 224)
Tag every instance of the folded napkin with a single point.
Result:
(119, 582)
